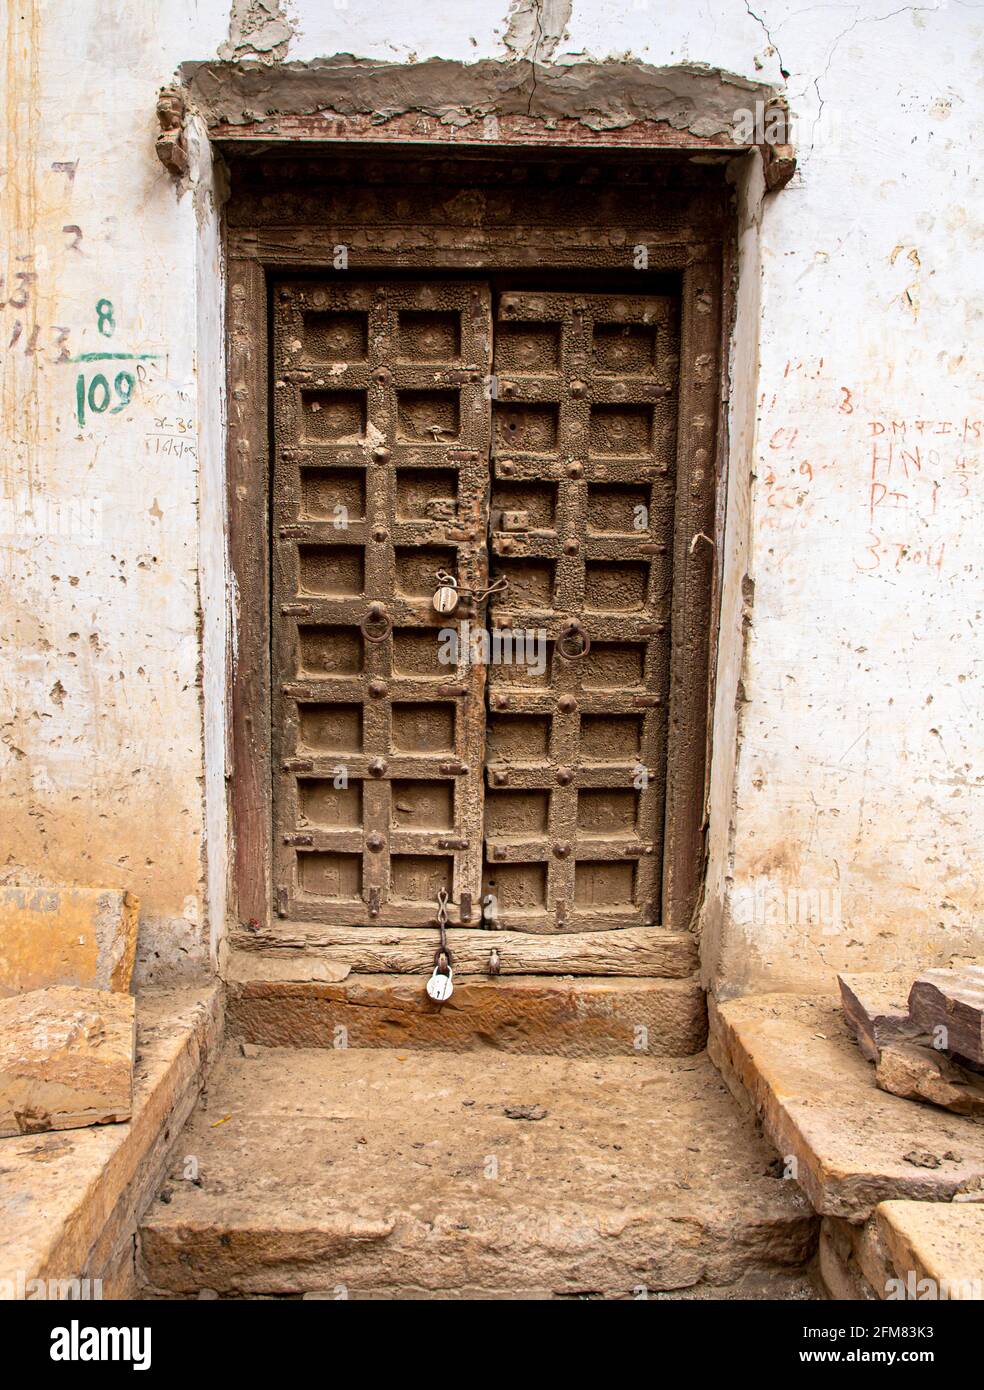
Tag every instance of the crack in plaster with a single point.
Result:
(536, 28)
(772, 43)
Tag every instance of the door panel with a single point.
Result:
(386, 434)
(381, 427)
(584, 438)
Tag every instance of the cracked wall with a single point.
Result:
(845, 823)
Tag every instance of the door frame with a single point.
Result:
(684, 239)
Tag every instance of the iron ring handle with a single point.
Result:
(377, 624)
(573, 643)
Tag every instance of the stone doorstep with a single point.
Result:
(368, 1171)
(794, 1060)
(71, 1199)
(570, 1017)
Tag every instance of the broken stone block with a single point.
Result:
(917, 1071)
(52, 935)
(877, 1010)
(954, 1000)
(66, 1059)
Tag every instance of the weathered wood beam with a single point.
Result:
(632, 951)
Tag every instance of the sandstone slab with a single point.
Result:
(66, 1059)
(389, 1174)
(877, 1008)
(71, 1200)
(795, 1060)
(905, 1251)
(564, 1017)
(51, 935)
(954, 1001)
(938, 1243)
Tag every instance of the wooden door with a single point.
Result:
(582, 516)
(381, 430)
(417, 425)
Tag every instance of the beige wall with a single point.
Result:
(848, 731)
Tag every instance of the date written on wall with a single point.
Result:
(101, 387)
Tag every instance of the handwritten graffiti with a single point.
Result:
(93, 392)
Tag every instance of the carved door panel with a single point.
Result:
(381, 432)
(394, 461)
(582, 516)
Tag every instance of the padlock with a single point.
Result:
(446, 596)
(440, 986)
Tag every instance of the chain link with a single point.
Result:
(442, 957)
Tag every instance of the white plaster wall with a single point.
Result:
(101, 716)
(858, 767)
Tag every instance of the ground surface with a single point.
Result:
(381, 1173)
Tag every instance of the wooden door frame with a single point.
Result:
(676, 243)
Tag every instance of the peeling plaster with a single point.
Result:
(601, 96)
(258, 29)
(536, 28)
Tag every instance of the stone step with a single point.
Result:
(906, 1250)
(794, 1059)
(385, 1174)
(288, 1003)
(71, 1200)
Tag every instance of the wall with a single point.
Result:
(102, 761)
(847, 728)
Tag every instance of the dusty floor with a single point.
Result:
(375, 1174)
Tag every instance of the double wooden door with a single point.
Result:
(517, 448)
